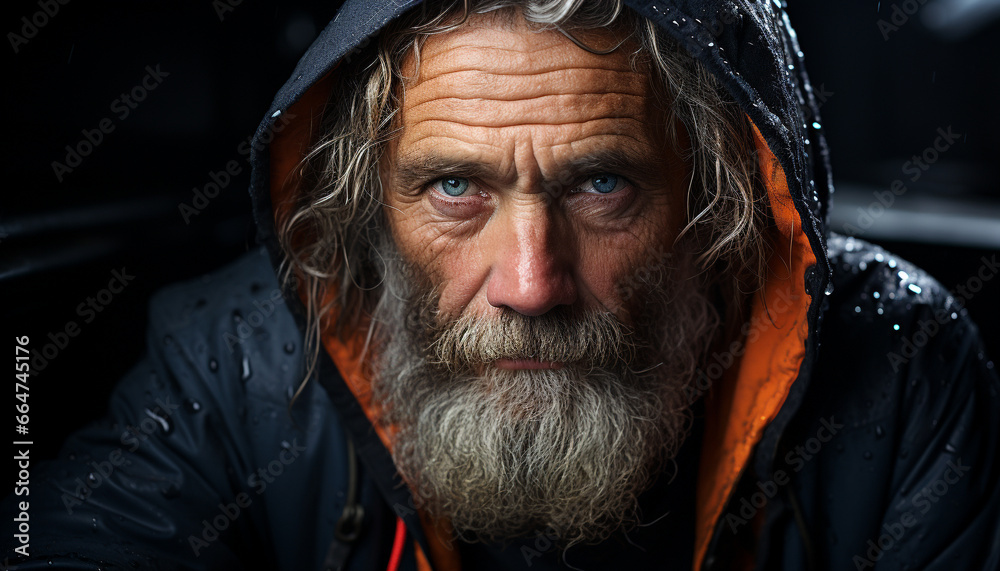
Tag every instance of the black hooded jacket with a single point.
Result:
(855, 428)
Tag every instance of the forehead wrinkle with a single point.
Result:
(567, 111)
(494, 87)
(460, 61)
(488, 131)
(515, 40)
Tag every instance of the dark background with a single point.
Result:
(884, 99)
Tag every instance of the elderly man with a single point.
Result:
(549, 287)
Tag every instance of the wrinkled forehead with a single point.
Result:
(493, 84)
(503, 42)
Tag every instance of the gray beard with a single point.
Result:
(507, 453)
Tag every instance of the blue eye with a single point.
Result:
(453, 186)
(604, 182)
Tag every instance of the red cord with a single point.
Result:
(397, 545)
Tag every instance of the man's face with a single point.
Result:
(530, 173)
(526, 388)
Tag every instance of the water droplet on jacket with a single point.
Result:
(902, 275)
(950, 448)
(829, 288)
(879, 433)
(93, 523)
(895, 327)
(892, 263)
(857, 309)
(286, 445)
(876, 294)
(954, 315)
(213, 365)
(289, 392)
(192, 405)
(914, 288)
(92, 478)
(816, 125)
(711, 44)
(162, 420)
(289, 348)
(868, 455)
(879, 310)
(879, 257)
(245, 372)
(863, 265)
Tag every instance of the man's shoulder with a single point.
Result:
(895, 341)
(231, 289)
(903, 392)
(871, 281)
(232, 322)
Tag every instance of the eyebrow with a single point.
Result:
(637, 167)
(412, 173)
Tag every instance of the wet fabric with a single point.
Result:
(856, 428)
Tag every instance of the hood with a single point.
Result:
(752, 49)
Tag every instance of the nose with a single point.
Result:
(532, 265)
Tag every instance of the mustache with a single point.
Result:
(588, 339)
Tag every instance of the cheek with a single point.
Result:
(614, 266)
(447, 251)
